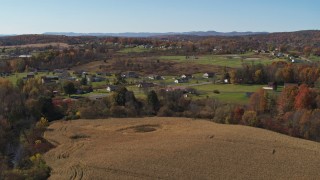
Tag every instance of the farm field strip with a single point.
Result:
(219, 60)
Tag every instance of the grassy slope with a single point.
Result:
(219, 60)
(134, 50)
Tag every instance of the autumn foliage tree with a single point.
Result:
(307, 51)
(237, 115)
(286, 99)
(250, 118)
(309, 75)
(12, 102)
(305, 98)
(288, 74)
(259, 101)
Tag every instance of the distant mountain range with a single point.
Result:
(147, 34)
(3, 35)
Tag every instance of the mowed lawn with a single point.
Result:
(228, 92)
(314, 58)
(134, 50)
(219, 60)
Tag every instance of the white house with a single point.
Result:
(155, 77)
(186, 76)
(184, 80)
(25, 56)
(112, 88)
(145, 85)
(208, 75)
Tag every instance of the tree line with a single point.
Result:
(280, 72)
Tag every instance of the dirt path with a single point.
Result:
(176, 148)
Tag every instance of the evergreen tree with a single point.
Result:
(153, 100)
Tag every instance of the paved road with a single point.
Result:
(198, 84)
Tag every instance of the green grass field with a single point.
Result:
(134, 50)
(314, 58)
(138, 92)
(228, 92)
(219, 60)
(15, 77)
(99, 84)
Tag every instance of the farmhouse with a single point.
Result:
(183, 80)
(155, 77)
(280, 55)
(186, 76)
(296, 60)
(49, 79)
(112, 88)
(25, 56)
(271, 86)
(58, 71)
(130, 75)
(30, 75)
(95, 79)
(208, 75)
(145, 85)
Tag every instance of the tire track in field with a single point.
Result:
(65, 150)
(68, 150)
(77, 172)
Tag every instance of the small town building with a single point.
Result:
(208, 75)
(182, 80)
(112, 88)
(145, 85)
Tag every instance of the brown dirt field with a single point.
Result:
(163, 68)
(176, 148)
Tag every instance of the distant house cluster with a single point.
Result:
(130, 74)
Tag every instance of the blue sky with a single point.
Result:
(38, 16)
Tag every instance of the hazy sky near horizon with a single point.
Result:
(38, 16)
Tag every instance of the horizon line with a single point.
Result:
(149, 32)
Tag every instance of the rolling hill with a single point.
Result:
(176, 148)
